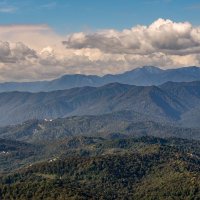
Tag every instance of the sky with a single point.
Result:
(42, 40)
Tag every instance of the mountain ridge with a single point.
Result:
(143, 76)
(169, 102)
(114, 125)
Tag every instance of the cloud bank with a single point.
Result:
(162, 36)
(37, 52)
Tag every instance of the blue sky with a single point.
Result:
(79, 15)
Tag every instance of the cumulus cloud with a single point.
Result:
(36, 52)
(14, 53)
(163, 36)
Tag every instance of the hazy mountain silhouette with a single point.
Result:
(144, 76)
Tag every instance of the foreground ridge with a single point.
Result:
(145, 168)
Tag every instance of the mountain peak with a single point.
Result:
(151, 69)
(191, 68)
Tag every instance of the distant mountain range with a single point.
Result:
(169, 102)
(144, 76)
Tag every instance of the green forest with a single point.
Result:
(146, 168)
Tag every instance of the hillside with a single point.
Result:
(168, 102)
(145, 168)
(115, 125)
(144, 76)
(14, 154)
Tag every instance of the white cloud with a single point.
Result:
(35, 36)
(50, 5)
(162, 36)
(33, 52)
(7, 9)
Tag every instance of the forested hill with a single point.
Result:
(169, 102)
(111, 126)
(146, 168)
